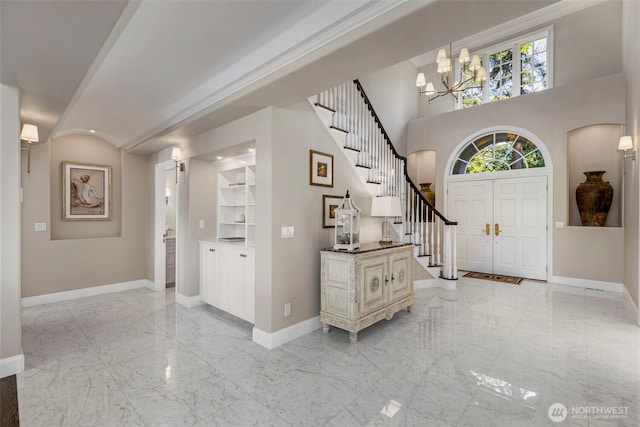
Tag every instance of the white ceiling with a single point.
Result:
(149, 74)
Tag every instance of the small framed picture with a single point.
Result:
(329, 205)
(320, 169)
(86, 192)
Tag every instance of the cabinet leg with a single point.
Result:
(325, 328)
(409, 307)
(353, 337)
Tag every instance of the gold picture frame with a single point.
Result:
(329, 204)
(320, 169)
(86, 192)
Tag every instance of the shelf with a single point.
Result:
(236, 200)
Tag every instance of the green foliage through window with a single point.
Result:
(500, 151)
(516, 68)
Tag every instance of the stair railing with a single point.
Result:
(423, 224)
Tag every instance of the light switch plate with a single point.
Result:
(287, 232)
(559, 224)
(40, 226)
(201, 224)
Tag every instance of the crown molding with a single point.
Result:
(540, 17)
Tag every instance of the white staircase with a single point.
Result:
(355, 127)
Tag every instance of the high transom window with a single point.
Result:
(498, 151)
(514, 68)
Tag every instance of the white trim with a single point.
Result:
(511, 28)
(85, 292)
(188, 302)
(11, 365)
(631, 305)
(586, 283)
(545, 171)
(159, 251)
(287, 334)
(425, 284)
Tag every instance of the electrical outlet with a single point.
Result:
(287, 232)
(40, 226)
(201, 224)
(287, 309)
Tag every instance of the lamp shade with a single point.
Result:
(176, 154)
(464, 56)
(421, 80)
(386, 206)
(626, 143)
(29, 133)
(475, 63)
(430, 90)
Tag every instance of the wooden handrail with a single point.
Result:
(398, 156)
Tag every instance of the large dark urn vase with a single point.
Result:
(594, 199)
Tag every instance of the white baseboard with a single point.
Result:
(11, 365)
(631, 305)
(85, 292)
(287, 334)
(585, 283)
(188, 302)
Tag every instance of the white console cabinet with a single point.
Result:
(227, 278)
(364, 286)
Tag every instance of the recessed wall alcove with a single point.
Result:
(595, 148)
(86, 149)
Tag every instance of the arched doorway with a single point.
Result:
(497, 190)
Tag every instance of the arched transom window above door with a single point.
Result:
(498, 151)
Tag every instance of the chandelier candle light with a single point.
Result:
(470, 67)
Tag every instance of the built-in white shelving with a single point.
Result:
(237, 200)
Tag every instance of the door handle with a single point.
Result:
(243, 255)
(487, 229)
(164, 238)
(496, 229)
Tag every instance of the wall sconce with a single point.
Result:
(626, 143)
(176, 156)
(167, 194)
(387, 206)
(30, 135)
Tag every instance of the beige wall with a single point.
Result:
(631, 65)
(296, 262)
(596, 29)
(549, 115)
(85, 253)
(392, 92)
(10, 293)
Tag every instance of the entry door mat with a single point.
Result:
(495, 277)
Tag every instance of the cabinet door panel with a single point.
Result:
(373, 286)
(400, 275)
(208, 273)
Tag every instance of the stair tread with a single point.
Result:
(325, 107)
(363, 166)
(352, 149)
(373, 182)
(338, 129)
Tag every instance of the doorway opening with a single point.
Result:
(166, 236)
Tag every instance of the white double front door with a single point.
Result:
(502, 225)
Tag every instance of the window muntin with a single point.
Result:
(514, 68)
(498, 151)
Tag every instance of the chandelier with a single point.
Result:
(471, 75)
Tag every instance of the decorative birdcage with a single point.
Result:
(347, 230)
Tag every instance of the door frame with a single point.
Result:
(159, 224)
(546, 171)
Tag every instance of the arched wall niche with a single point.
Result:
(91, 150)
(595, 148)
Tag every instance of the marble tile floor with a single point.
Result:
(489, 354)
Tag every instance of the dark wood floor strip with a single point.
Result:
(9, 416)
